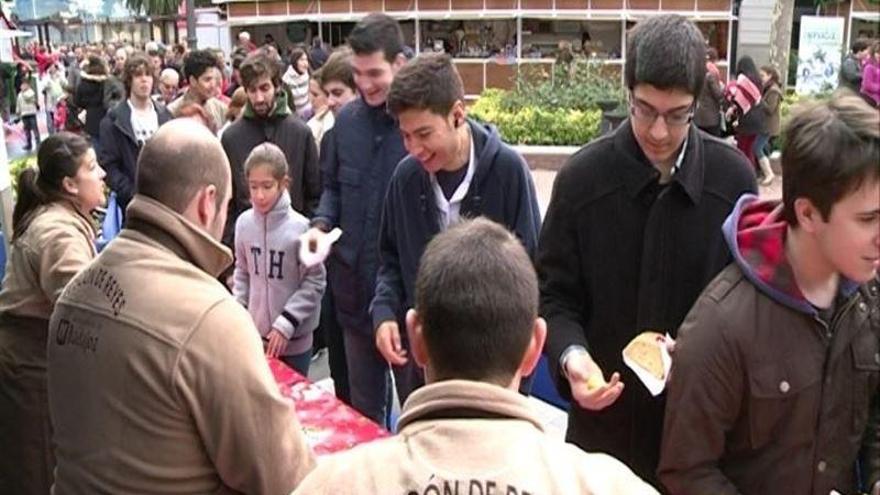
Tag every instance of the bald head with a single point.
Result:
(182, 158)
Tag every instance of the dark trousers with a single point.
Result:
(369, 377)
(30, 128)
(27, 461)
(332, 334)
(50, 122)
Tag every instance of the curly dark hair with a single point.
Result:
(136, 65)
(197, 62)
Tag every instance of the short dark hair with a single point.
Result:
(477, 297)
(377, 32)
(237, 60)
(338, 68)
(428, 82)
(667, 52)
(831, 148)
(96, 66)
(259, 65)
(197, 62)
(160, 175)
(135, 65)
(860, 44)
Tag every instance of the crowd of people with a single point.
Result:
(142, 368)
(748, 107)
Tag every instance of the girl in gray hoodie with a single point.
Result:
(282, 295)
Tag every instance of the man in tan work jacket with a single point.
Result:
(157, 379)
(476, 332)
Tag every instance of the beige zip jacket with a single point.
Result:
(470, 438)
(58, 243)
(157, 378)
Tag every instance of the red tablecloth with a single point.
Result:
(329, 424)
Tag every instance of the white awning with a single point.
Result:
(14, 33)
(866, 16)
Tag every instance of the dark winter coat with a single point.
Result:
(95, 95)
(289, 133)
(358, 157)
(501, 190)
(119, 150)
(619, 254)
(764, 396)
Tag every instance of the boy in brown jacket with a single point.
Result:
(476, 332)
(775, 382)
(157, 378)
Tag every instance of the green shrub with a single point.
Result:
(533, 125)
(19, 164)
(551, 109)
(579, 86)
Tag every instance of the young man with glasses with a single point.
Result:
(631, 237)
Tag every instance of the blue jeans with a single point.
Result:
(299, 362)
(759, 147)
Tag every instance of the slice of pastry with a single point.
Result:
(645, 350)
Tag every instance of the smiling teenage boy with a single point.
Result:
(631, 237)
(456, 169)
(778, 364)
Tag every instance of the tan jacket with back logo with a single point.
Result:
(470, 438)
(157, 378)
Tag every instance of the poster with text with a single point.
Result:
(819, 54)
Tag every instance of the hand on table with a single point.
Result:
(276, 343)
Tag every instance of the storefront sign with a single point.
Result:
(819, 54)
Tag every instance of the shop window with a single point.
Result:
(715, 34)
(470, 39)
(544, 39)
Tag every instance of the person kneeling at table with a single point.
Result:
(157, 378)
(476, 332)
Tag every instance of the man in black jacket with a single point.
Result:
(128, 126)
(267, 117)
(456, 169)
(631, 237)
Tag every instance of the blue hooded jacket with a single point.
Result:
(501, 190)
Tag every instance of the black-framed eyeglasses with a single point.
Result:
(649, 115)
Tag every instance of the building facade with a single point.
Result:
(490, 40)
